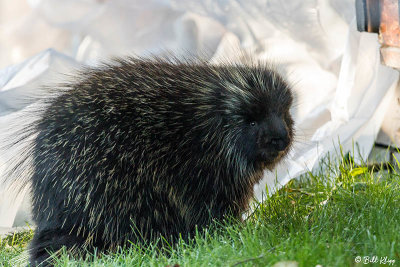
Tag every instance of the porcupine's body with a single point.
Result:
(143, 148)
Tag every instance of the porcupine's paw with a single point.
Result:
(46, 242)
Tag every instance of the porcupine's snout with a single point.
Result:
(273, 138)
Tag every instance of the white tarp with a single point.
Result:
(342, 91)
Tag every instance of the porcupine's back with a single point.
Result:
(120, 147)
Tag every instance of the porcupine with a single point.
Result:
(142, 148)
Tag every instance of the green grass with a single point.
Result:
(327, 217)
(12, 247)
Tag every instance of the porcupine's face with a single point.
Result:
(260, 104)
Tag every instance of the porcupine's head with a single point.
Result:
(258, 124)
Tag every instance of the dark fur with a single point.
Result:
(142, 148)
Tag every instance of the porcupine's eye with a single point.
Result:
(253, 124)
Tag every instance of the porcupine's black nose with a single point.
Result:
(275, 136)
(279, 143)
